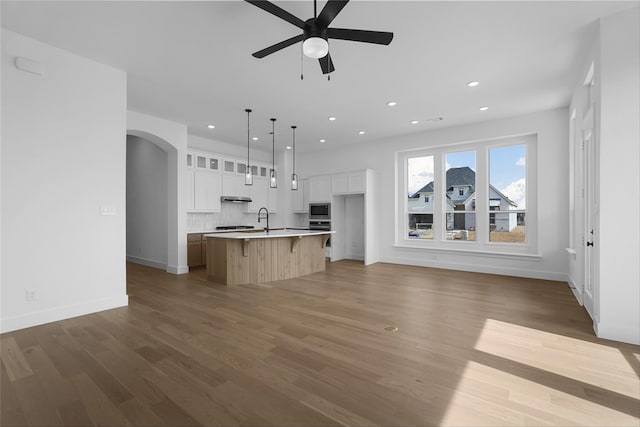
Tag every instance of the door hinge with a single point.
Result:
(589, 243)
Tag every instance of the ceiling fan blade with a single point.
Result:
(365, 36)
(276, 47)
(267, 6)
(329, 12)
(326, 64)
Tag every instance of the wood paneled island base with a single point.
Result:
(264, 257)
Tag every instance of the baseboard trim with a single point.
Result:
(147, 262)
(474, 268)
(55, 314)
(624, 333)
(180, 269)
(354, 257)
(574, 288)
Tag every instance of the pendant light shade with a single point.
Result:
(294, 176)
(273, 178)
(248, 177)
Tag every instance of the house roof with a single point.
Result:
(462, 176)
(455, 176)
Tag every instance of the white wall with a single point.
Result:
(552, 132)
(619, 180)
(63, 157)
(146, 203)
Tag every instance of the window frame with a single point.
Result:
(481, 244)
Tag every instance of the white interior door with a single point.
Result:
(590, 215)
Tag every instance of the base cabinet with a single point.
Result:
(196, 250)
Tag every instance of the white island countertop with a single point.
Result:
(287, 232)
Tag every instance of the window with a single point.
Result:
(420, 181)
(507, 194)
(460, 209)
(472, 197)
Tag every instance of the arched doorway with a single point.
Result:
(152, 201)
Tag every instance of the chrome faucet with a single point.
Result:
(264, 217)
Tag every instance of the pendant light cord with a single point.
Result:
(248, 110)
(294, 148)
(273, 144)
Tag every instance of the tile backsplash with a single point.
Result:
(230, 214)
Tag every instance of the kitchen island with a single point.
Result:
(261, 256)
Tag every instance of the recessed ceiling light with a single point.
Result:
(392, 103)
(484, 108)
(323, 140)
(288, 147)
(331, 119)
(211, 126)
(255, 138)
(361, 132)
(473, 84)
(414, 122)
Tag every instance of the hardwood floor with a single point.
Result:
(471, 349)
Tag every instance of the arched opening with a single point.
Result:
(151, 220)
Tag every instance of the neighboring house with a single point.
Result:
(461, 196)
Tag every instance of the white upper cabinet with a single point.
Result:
(320, 188)
(204, 183)
(348, 183)
(300, 197)
(207, 191)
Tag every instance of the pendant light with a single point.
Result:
(294, 177)
(273, 179)
(248, 177)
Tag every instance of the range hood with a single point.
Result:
(235, 199)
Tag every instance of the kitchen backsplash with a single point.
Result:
(230, 214)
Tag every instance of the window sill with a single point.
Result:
(487, 253)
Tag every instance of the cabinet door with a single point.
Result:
(207, 191)
(194, 253)
(339, 184)
(204, 251)
(356, 182)
(190, 190)
(320, 188)
(300, 197)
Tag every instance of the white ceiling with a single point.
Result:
(191, 62)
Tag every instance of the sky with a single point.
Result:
(507, 170)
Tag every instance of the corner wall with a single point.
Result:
(619, 279)
(63, 158)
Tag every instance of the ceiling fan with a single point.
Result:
(316, 32)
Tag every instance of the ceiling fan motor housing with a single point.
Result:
(311, 29)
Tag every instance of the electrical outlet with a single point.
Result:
(107, 211)
(32, 294)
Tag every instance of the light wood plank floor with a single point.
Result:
(470, 349)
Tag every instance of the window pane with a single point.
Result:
(420, 192)
(507, 194)
(460, 202)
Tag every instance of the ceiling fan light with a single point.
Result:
(315, 47)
